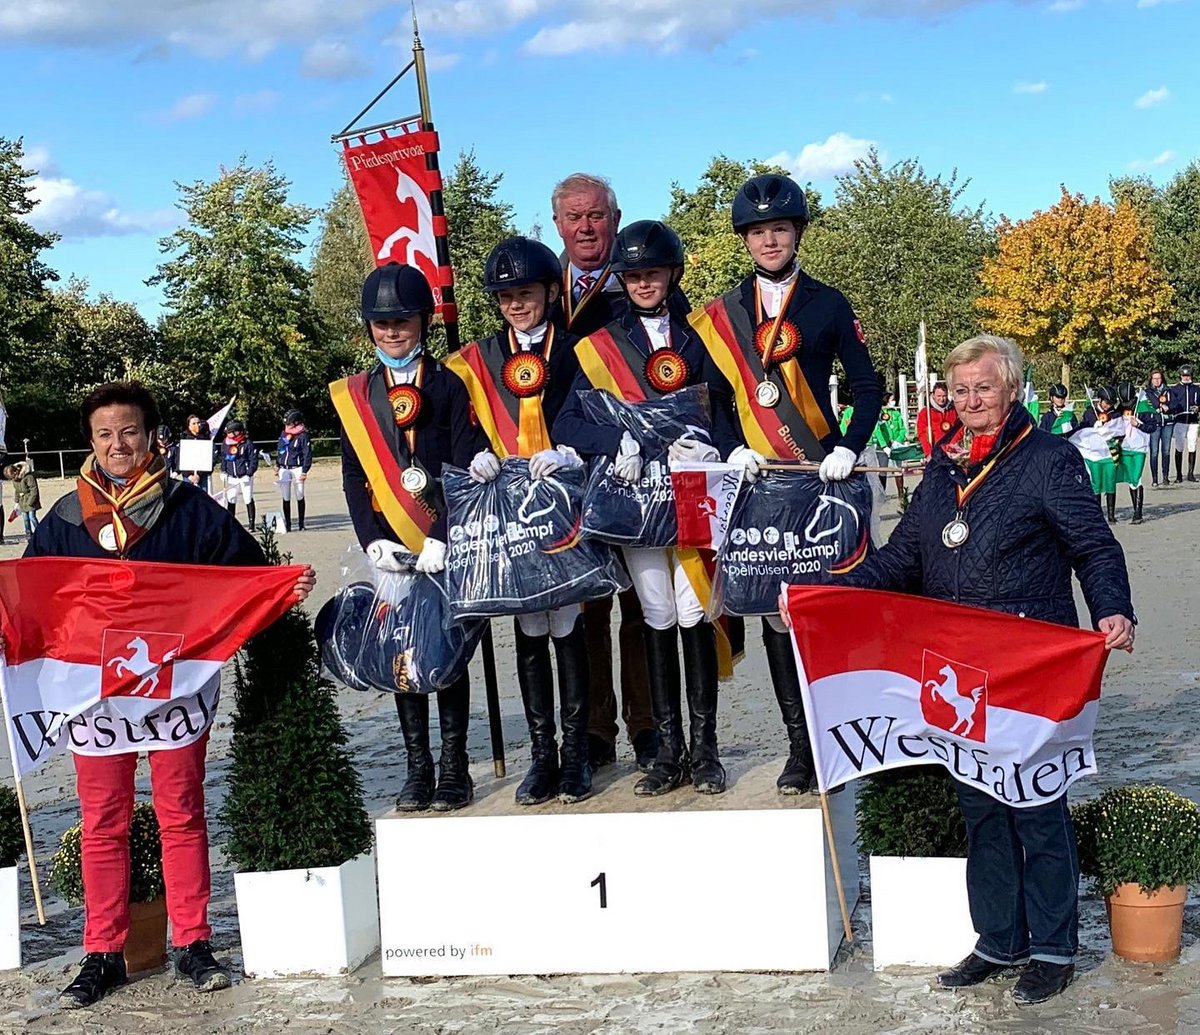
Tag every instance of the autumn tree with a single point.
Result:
(1078, 280)
(902, 246)
(239, 310)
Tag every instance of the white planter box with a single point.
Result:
(323, 921)
(919, 912)
(10, 919)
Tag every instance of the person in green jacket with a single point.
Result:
(890, 438)
(29, 499)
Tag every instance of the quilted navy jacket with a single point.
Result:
(1033, 521)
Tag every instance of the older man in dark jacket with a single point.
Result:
(1001, 520)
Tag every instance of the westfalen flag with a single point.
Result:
(1006, 704)
(106, 657)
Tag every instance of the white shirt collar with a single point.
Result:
(527, 339)
(772, 291)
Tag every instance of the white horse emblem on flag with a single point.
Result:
(946, 701)
(134, 660)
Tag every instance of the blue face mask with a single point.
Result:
(398, 364)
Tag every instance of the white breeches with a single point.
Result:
(235, 487)
(1184, 436)
(662, 587)
(289, 478)
(557, 623)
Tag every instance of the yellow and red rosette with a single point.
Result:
(524, 374)
(787, 343)
(666, 370)
(406, 401)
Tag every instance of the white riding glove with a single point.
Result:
(385, 555)
(432, 557)
(628, 463)
(838, 465)
(749, 459)
(484, 467)
(692, 451)
(545, 463)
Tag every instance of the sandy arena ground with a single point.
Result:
(1151, 708)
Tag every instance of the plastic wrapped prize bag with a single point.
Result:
(389, 631)
(516, 546)
(643, 513)
(789, 526)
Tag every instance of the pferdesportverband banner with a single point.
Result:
(395, 187)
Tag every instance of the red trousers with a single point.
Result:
(105, 784)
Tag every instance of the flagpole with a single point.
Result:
(837, 868)
(12, 754)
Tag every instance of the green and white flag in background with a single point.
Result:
(1114, 453)
(1030, 399)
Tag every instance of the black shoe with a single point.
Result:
(671, 765)
(700, 684)
(536, 680)
(645, 749)
(574, 773)
(1041, 980)
(541, 782)
(417, 793)
(455, 790)
(799, 775)
(100, 973)
(600, 751)
(972, 971)
(574, 690)
(198, 963)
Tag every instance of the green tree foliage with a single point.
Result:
(900, 245)
(341, 260)
(294, 800)
(239, 306)
(24, 299)
(478, 221)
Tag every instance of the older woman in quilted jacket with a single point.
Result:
(1002, 518)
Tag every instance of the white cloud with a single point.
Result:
(1153, 3)
(1152, 97)
(253, 103)
(193, 106)
(823, 161)
(1162, 158)
(439, 61)
(63, 206)
(1041, 86)
(331, 59)
(1063, 6)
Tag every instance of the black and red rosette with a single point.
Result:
(524, 374)
(406, 402)
(666, 370)
(787, 344)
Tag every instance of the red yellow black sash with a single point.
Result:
(409, 515)
(572, 308)
(791, 430)
(515, 426)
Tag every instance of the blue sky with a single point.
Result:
(118, 100)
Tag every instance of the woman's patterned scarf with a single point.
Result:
(117, 516)
(970, 449)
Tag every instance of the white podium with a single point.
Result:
(742, 881)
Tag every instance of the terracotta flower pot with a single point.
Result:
(1146, 926)
(146, 943)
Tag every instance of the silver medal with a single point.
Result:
(767, 393)
(955, 533)
(414, 480)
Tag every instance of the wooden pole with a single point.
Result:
(837, 869)
(12, 754)
(776, 465)
(493, 704)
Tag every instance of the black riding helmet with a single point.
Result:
(768, 197)
(1058, 391)
(1107, 393)
(646, 244)
(164, 434)
(395, 292)
(518, 261)
(293, 417)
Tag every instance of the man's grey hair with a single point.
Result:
(1008, 356)
(578, 182)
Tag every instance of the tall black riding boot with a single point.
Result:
(1137, 495)
(232, 508)
(1179, 467)
(700, 680)
(250, 516)
(575, 770)
(300, 514)
(537, 693)
(1192, 466)
(287, 515)
(798, 775)
(1110, 506)
(671, 765)
(454, 787)
(417, 792)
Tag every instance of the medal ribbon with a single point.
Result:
(572, 308)
(532, 434)
(964, 493)
(789, 368)
(410, 433)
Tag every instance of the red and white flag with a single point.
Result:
(1006, 704)
(704, 498)
(105, 656)
(395, 185)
